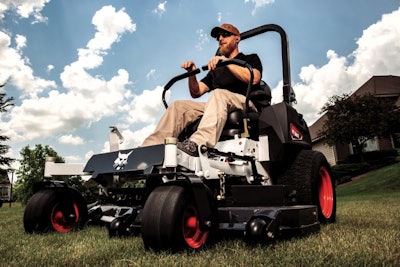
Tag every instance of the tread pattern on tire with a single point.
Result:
(303, 174)
(38, 209)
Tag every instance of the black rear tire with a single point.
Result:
(311, 176)
(55, 209)
(170, 220)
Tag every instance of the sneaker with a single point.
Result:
(189, 147)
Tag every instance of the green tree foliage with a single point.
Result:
(89, 191)
(357, 119)
(3, 176)
(32, 168)
(32, 171)
(5, 104)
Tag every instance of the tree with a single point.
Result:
(4, 177)
(89, 191)
(357, 119)
(5, 103)
(32, 169)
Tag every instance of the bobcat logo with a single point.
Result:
(121, 161)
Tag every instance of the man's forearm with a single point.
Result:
(194, 87)
(243, 74)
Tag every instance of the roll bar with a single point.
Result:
(288, 92)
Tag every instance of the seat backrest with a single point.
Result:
(261, 98)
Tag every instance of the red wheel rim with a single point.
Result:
(325, 192)
(193, 235)
(62, 219)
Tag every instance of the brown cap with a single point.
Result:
(226, 27)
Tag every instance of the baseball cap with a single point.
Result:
(224, 27)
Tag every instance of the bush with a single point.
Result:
(359, 164)
(344, 172)
(374, 157)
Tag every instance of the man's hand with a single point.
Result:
(196, 89)
(188, 65)
(212, 64)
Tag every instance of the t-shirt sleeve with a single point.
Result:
(207, 80)
(223, 78)
(254, 62)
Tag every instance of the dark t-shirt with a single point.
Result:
(223, 78)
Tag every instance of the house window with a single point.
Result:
(370, 145)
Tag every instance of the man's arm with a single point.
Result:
(196, 88)
(241, 73)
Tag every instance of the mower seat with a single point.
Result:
(234, 125)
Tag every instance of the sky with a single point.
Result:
(77, 67)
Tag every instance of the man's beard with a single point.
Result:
(227, 49)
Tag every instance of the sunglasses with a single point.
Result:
(223, 34)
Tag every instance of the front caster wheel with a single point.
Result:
(55, 209)
(170, 220)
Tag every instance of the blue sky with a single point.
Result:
(76, 67)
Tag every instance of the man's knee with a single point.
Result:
(224, 94)
(220, 93)
(181, 105)
(175, 104)
(228, 98)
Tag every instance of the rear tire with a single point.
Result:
(170, 220)
(55, 209)
(311, 176)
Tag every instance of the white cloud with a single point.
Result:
(83, 108)
(146, 107)
(376, 54)
(132, 138)
(88, 155)
(71, 140)
(259, 4)
(110, 26)
(160, 9)
(88, 98)
(27, 120)
(50, 68)
(3, 9)
(202, 39)
(151, 73)
(72, 158)
(15, 69)
(25, 8)
(21, 41)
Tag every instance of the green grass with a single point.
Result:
(386, 179)
(367, 233)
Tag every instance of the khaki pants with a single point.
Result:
(183, 112)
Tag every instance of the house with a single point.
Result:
(387, 87)
(5, 188)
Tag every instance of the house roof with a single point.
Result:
(379, 86)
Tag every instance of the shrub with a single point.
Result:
(371, 160)
(344, 172)
(373, 157)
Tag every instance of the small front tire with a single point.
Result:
(55, 209)
(170, 220)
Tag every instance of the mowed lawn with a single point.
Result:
(367, 233)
